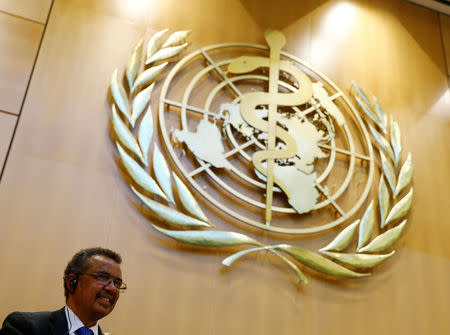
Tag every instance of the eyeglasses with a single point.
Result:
(105, 279)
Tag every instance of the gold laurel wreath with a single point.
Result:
(133, 127)
(398, 178)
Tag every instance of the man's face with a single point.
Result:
(92, 299)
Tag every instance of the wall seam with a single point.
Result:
(23, 17)
(9, 113)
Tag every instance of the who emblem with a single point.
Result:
(269, 142)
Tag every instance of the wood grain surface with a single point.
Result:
(62, 189)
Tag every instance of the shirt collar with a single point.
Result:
(73, 322)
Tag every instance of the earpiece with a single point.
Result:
(71, 283)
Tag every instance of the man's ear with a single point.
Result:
(71, 282)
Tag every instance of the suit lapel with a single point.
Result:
(58, 322)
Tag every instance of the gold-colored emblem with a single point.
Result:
(269, 142)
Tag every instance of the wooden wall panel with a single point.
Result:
(19, 41)
(35, 10)
(62, 189)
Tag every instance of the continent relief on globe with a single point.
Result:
(206, 143)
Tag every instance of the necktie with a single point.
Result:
(84, 331)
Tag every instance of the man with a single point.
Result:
(92, 284)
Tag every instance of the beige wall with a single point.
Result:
(61, 189)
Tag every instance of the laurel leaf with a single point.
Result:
(318, 262)
(388, 170)
(361, 93)
(155, 43)
(343, 239)
(119, 95)
(169, 214)
(139, 175)
(145, 134)
(149, 75)
(385, 240)
(166, 53)
(368, 112)
(234, 257)
(162, 173)
(134, 63)
(382, 142)
(140, 102)
(366, 226)
(359, 260)
(405, 175)
(124, 134)
(384, 201)
(176, 37)
(381, 114)
(396, 141)
(209, 238)
(401, 208)
(188, 200)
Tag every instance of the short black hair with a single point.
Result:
(80, 262)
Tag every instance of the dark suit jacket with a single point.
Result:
(39, 323)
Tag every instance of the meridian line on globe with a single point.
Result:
(226, 155)
(345, 152)
(221, 73)
(336, 95)
(331, 200)
(318, 105)
(192, 108)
